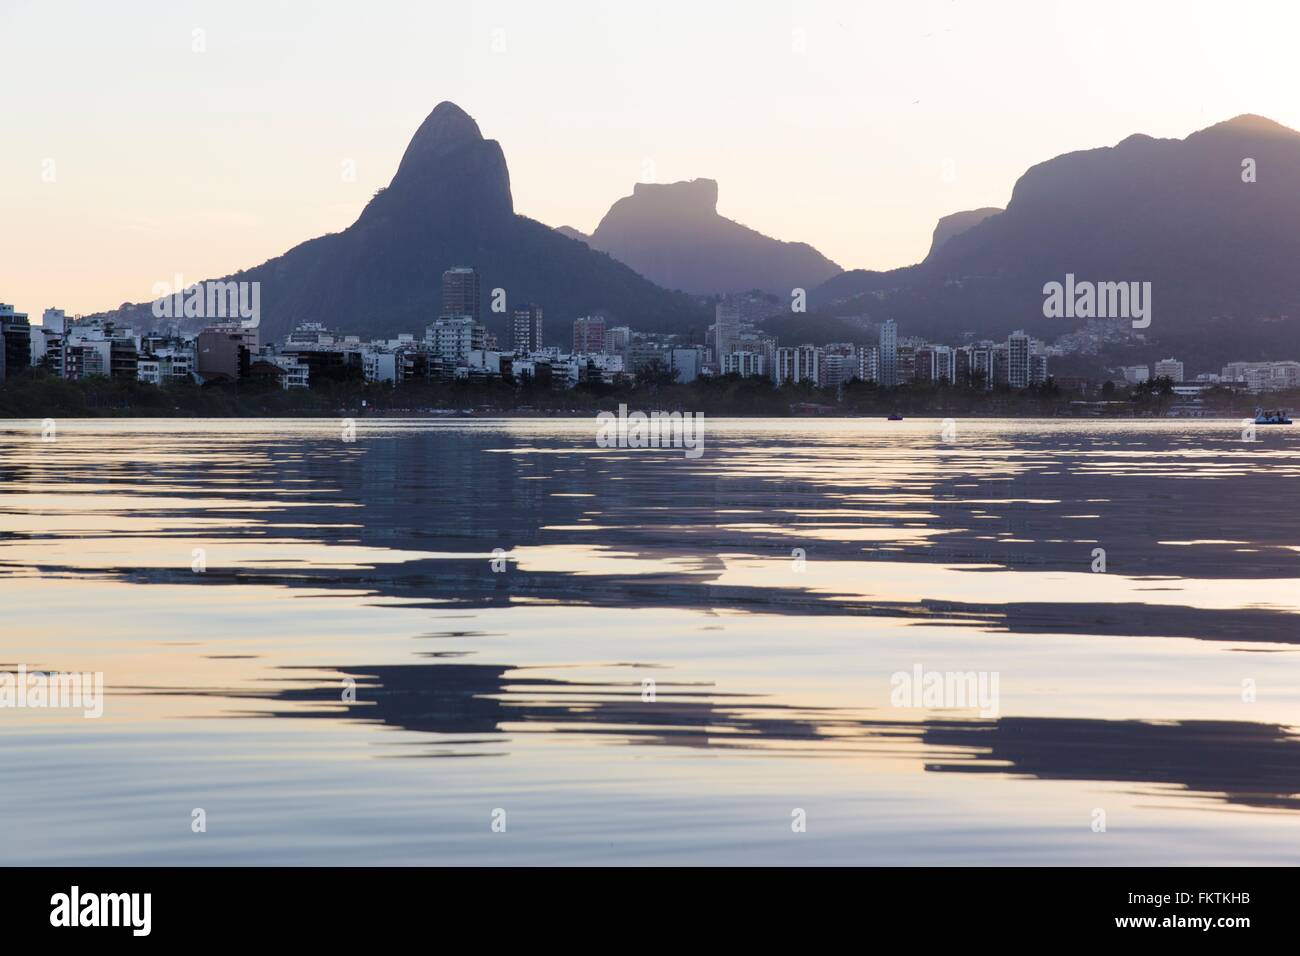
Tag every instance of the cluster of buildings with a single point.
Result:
(457, 345)
(1245, 376)
(1262, 376)
(739, 347)
(75, 348)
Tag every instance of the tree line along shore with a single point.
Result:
(40, 395)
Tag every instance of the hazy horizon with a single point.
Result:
(853, 130)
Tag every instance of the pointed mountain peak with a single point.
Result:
(445, 130)
(448, 123)
(449, 161)
(449, 204)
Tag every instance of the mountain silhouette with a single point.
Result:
(957, 223)
(571, 233)
(1219, 251)
(448, 204)
(672, 234)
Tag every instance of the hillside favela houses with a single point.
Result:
(458, 346)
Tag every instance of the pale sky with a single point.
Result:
(129, 156)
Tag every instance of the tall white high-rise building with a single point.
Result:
(744, 364)
(979, 362)
(837, 368)
(453, 338)
(726, 328)
(798, 364)
(1018, 359)
(47, 340)
(945, 364)
(869, 363)
(617, 339)
(54, 320)
(889, 353)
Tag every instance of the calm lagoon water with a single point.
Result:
(367, 652)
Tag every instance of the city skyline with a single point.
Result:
(224, 344)
(952, 129)
(458, 346)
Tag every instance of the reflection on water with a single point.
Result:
(1245, 763)
(690, 648)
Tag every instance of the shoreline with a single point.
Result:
(506, 415)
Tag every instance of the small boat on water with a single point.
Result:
(1273, 416)
(895, 417)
